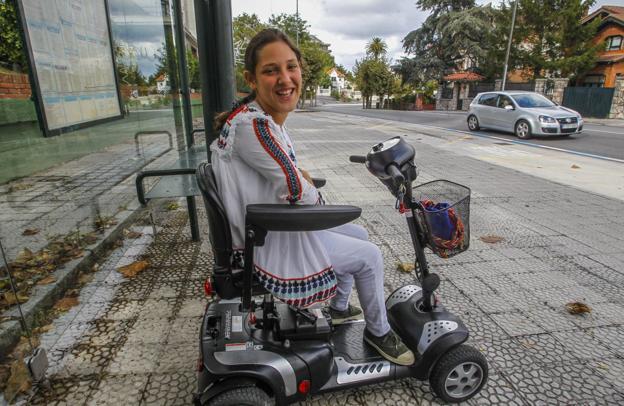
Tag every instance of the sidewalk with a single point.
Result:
(134, 340)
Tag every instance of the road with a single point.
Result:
(604, 141)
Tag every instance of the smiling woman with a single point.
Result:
(254, 161)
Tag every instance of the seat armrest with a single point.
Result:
(281, 217)
(318, 182)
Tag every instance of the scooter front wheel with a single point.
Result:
(459, 374)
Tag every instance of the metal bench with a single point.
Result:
(177, 180)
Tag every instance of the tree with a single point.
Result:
(551, 40)
(315, 57)
(376, 48)
(292, 25)
(11, 47)
(456, 32)
(372, 74)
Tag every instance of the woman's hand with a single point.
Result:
(306, 176)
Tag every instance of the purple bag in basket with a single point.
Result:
(438, 218)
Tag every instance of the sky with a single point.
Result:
(347, 25)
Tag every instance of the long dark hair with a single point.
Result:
(259, 41)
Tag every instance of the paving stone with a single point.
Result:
(119, 389)
(583, 345)
(135, 359)
(516, 324)
(123, 310)
(171, 389)
(65, 392)
(536, 386)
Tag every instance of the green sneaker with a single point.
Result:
(350, 314)
(390, 347)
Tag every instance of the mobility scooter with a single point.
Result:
(255, 350)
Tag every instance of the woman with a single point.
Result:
(254, 161)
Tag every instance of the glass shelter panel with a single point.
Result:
(61, 195)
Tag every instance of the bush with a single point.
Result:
(335, 94)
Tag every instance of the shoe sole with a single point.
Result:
(346, 319)
(387, 356)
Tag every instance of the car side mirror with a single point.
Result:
(509, 107)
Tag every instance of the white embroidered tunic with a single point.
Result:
(254, 162)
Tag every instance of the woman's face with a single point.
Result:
(277, 80)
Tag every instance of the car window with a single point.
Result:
(529, 100)
(504, 101)
(488, 99)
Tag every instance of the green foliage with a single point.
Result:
(128, 70)
(373, 75)
(193, 70)
(551, 40)
(291, 25)
(11, 47)
(454, 32)
(376, 48)
(316, 58)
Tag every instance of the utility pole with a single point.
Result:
(513, 22)
(297, 26)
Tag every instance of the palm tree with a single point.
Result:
(376, 47)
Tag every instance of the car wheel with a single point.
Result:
(473, 123)
(523, 130)
(459, 374)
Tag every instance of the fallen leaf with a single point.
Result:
(405, 266)
(66, 303)
(133, 269)
(89, 238)
(31, 231)
(43, 329)
(491, 239)
(103, 222)
(173, 206)
(16, 187)
(8, 298)
(85, 278)
(577, 308)
(18, 382)
(574, 166)
(602, 365)
(132, 234)
(47, 280)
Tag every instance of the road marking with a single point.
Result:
(601, 131)
(530, 144)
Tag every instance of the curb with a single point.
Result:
(44, 296)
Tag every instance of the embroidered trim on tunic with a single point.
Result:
(268, 142)
(300, 292)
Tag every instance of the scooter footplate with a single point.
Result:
(348, 340)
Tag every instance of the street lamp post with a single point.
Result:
(513, 22)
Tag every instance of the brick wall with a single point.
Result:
(14, 86)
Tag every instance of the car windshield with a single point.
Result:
(532, 100)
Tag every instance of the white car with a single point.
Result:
(523, 113)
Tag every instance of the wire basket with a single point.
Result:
(444, 216)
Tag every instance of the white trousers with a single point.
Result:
(354, 258)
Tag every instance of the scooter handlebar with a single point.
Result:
(393, 171)
(358, 159)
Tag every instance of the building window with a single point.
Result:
(614, 43)
(594, 81)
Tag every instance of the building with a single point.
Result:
(338, 79)
(610, 64)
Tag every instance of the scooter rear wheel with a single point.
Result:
(459, 374)
(242, 396)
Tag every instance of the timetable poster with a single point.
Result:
(71, 55)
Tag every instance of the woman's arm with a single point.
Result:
(259, 147)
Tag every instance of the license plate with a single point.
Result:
(568, 126)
